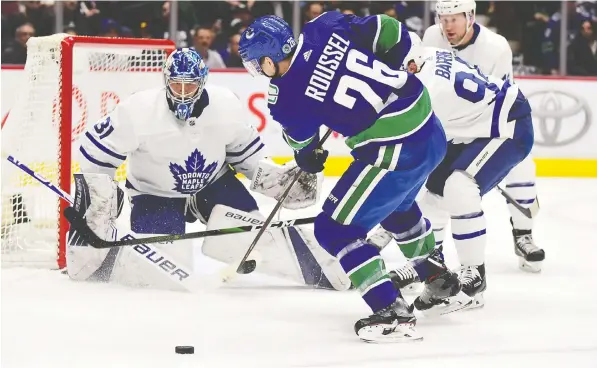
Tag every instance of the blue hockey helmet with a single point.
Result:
(268, 36)
(185, 75)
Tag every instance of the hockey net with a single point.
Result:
(68, 82)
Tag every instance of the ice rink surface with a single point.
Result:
(529, 320)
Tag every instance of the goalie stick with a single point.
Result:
(95, 241)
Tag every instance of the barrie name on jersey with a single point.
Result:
(336, 79)
(168, 157)
(468, 103)
(486, 49)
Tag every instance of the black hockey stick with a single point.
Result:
(78, 223)
(527, 212)
(241, 265)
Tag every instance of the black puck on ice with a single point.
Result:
(184, 350)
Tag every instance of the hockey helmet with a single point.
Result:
(450, 7)
(268, 36)
(185, 75)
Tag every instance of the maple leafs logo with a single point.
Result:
(194, 175)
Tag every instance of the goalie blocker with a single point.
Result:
(290, 253)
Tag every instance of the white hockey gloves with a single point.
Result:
(272, 179)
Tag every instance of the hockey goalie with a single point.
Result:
(184, 143)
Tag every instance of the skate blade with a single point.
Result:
(452, 304)
(532, 267)
(403, 333)
(478, 301)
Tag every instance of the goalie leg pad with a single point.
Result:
(227, 190)
(318, 267)
(290, 253)
(85, 263)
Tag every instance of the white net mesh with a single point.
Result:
(103, 71)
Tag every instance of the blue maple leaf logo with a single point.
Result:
(194, 176)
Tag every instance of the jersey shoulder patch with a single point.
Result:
(272, 94)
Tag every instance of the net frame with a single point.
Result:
(64, 108)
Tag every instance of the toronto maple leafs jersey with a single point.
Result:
(168, 157)
(468, 103)
(486, 49)
(345, 75)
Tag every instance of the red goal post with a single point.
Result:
(70, 81)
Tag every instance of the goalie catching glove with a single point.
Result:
(272, 179)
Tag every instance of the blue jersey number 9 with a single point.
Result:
(104, 128)
(473, 90)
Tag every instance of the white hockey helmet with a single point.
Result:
(415, 54)
(449, 7)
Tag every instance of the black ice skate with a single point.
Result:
(406, 279)
(395, 323)
(442, 291)
(530, 257)
(473, 283)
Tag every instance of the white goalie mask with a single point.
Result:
(452, 7)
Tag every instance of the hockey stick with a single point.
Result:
(74, 218)
(527, 212)
(229, 272)
(165, 265)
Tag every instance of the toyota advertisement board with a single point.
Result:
(564, 113)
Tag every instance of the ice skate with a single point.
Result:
(530, 257)
(406, 279)
(395, 323)
(474, 284)
(442, 290)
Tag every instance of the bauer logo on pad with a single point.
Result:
(194, 175)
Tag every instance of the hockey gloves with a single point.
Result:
(310, 158)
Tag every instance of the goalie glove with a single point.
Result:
(99, 201)
(272, 179)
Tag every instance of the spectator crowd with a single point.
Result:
(214, 27)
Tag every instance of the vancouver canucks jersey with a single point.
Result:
(468, 103)
(345, 75)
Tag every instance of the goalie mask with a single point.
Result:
(185, 75)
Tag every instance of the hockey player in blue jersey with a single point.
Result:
(343, 72)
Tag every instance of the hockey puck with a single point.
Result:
(184, 350)
(248, 266)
